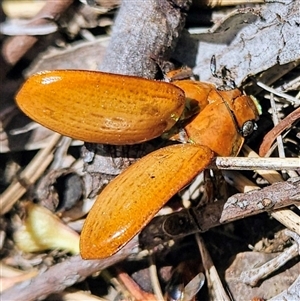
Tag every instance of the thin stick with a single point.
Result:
(154, 280)
(211, 273)
(276, 120)
(219, 3)
(254, 275)
(288, 97)
(270, 198)
(253, 163)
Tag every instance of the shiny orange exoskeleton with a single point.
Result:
(101, 107)
(114, 109)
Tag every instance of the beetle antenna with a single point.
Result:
(224, 75)
(213, 67)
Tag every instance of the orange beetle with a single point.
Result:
(108, 108)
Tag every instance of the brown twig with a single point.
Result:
(253, 276)
(63, 275)
(275, 196)
(218, 3)
(277, 130)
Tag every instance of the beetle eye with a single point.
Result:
(248, 128)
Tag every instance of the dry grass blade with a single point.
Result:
(76, 295)
(11, 276)
(154, 279)
(29, 175)
(215, 284)
(218, 3)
